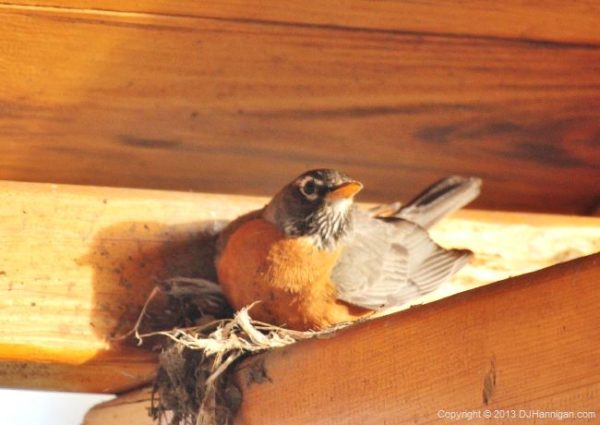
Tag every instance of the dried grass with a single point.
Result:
(192, 386)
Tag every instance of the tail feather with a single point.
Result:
(440, 199)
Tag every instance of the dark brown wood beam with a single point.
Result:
(239, 97)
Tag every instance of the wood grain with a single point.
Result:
(37, 366)
(77, 263)
(494, 348)
(550, 21)
(129, 408)
(235, 104)
(75, 267)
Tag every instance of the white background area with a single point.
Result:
(21, 407)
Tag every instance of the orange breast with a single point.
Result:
(289, 276)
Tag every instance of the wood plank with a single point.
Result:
(217, 105)
(78, 262)
(75, 267)
(556, 21)
(528, 344)
(130, 408)
(62, 368)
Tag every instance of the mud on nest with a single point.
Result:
(180, 394)
(194, 385)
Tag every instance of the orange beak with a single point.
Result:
(345, 191)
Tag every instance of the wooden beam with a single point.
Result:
(78, 262)
(528, 344)
(229, 97)
(553, 21)
(109, 370)
(76, 265)
(130, 408)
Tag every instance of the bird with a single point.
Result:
(311, 259)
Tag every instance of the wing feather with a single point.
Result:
(389, 262)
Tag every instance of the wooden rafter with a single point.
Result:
(528, 344)
(77, 263)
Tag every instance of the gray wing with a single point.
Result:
(388, 262)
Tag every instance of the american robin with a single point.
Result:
(312, 259)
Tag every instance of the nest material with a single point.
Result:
(192, 386)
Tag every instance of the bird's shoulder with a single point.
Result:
(232, 227)
(253, 236)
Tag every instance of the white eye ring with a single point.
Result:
(308, 188)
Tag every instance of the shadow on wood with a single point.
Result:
(527, 344)
(127, 259)
(126, 269)
(78, 262)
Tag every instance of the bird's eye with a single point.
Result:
(309, 190)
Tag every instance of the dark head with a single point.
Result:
(318, 204)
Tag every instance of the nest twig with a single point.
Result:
(192, 386)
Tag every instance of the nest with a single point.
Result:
(193, 386)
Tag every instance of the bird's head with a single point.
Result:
(317, 204)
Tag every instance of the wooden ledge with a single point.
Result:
(530, 343)
(77, 263)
